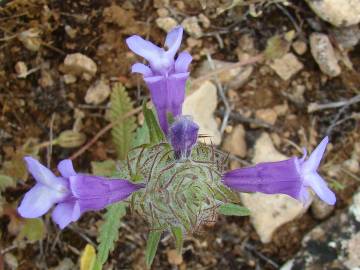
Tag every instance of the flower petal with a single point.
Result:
(142, 69)
(159, 91)
(43, 175)
(177, 85)
(320, 187)
(66, 168)
(38, 200)
(182, 62)
(313, 162)
(65, 213)
(304, 196)
(173, 41)
(144, 48)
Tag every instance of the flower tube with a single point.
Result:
(292, 177)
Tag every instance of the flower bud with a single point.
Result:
(182, 136)
(70, 139)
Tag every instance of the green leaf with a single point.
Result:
(230, 209)
(6, 181)
(142, 136)
(105, 168)
(109, 232)
(122, 133)
(178, 235)
(33, 230)
(155, 132)
(151, 247)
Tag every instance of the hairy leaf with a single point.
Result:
(109, 232)
(141, 136)
(151, 247)
(178, 235)
(230, 209)
(155, 132)
(122, 133)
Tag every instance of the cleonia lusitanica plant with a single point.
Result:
(174, 182)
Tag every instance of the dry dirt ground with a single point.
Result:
(41, 104)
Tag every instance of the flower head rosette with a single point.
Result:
(292, 177)
(72, 193)
(165, 76)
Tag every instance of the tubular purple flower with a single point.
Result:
(166, 78)
(291, 177)
(72, 193)
(183, 135)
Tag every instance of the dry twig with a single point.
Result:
(222, 96)
(313, 107)
(208, 76)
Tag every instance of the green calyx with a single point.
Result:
(178, 194)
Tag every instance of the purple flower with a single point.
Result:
(72, 193)
(183, 134)
(291, 177)
(166, 77)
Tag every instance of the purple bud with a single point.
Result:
(165, 77)
(73, 194)
(291, 177)
(182, 136)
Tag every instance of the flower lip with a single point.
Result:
(44, 176)
(161, 61)
(310, 176)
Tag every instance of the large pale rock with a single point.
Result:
(232, 77)
(235, 143)
(334, 244)
(166, 23)
(265, 150)
(98, 92)
(337, 12)
(347, 37)
(269, 212)
(201, 106)
(192, 27)
(80, 64)
(324, 54)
